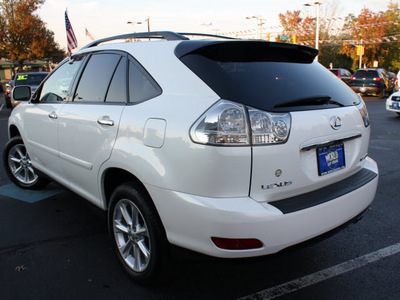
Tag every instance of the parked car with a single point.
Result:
(393, 103)
(396, 83)
(7, 94)
(32, 79)
(343, 74)
(227, 147)
(372, 81)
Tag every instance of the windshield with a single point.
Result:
(29, 79)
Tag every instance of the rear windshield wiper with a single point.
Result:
(315, 100)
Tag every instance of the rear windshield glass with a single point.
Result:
(366, 74)
(271, 85)
(29, 79)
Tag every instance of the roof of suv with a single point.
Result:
(191, 46)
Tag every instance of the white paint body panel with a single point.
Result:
(198, 218)
(84, 144)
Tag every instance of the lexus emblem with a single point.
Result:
(336, 122)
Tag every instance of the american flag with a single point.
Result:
(88, 34)
(72, 42)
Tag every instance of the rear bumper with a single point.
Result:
(366, 89)
(190, 221)
(393, 106)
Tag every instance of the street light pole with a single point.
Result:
(260, 23)
(317, 3)
(133, 23)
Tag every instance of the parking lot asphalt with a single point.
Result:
(54, 245)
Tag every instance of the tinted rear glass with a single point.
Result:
(269, 76)
(269, 85)
(366, 74)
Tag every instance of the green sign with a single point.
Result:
(22, 77)
(284, 37)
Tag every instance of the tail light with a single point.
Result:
(377, 78)
(397, 81)
(362, 108)
(228, 123)
(352, 78)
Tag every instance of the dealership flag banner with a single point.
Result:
(72, 42)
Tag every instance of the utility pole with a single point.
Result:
(148, 24)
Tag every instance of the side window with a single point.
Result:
(96, 77)
(141, 86)
(56, 86)
(117, 90)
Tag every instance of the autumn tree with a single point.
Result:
(367, 29)
(293, 24)
(23, 35)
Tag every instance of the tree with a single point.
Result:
(23, 35)
(391, 48)
(367, 29)
(292, 24)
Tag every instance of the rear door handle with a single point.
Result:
(104, 121)
(53, 115)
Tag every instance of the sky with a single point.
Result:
(104, 18)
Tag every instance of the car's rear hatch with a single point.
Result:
(328, 138)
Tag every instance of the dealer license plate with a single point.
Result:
(395, 105)
(330, 159)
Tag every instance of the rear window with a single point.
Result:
(270, 79)
(366, 74)
(336, 72)
(29, 79)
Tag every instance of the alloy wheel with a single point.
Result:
(131, 235)
(20, 165)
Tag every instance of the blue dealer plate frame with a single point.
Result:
(395, 105)
(331, 159)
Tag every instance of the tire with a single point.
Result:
(382, 94)
(142, 249)
(8, 102)
(18, 165)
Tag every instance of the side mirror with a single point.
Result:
(21, 93)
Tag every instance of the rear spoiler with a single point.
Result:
(243, 51)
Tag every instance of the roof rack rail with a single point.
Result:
(166, 35)
(208, 35)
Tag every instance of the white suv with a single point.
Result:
(230, 148)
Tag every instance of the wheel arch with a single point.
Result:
(114, 177)
(13, 131)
